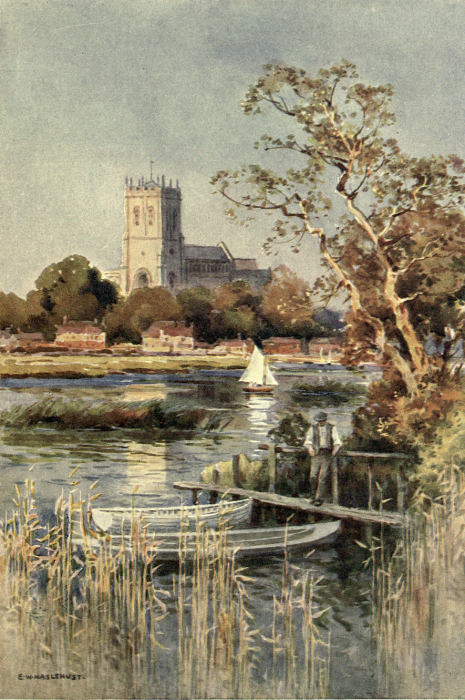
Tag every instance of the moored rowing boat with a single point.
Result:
(230, 513)
(247, 543)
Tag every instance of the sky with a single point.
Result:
(95, 89)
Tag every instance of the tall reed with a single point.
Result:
(89, 604)
(419, 613)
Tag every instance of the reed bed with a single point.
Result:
(96, 609)
(329, 393)
(104, 415)
(419, 596)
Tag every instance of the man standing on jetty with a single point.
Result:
(323, 443)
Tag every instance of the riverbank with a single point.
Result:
(77, 366)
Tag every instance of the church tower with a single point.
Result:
(153, 244)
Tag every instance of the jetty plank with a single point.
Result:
(301, 504)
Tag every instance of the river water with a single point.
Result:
(127, 462)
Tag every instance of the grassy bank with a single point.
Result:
(104, 415)
(101, 612)
(70, 366)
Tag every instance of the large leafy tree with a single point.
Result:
(13, 311)
(74, 290)
(286, 304)
(127, 320)
(235, 313)
(196, 305)
(394, 241)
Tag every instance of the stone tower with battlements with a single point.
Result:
(153, 243)
(154, 253)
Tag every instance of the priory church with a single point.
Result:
(155, 254)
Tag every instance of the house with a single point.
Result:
(168, 337)
(282, 346)
(8, 340)
(30, 341)
(232, 347)
(80, 335)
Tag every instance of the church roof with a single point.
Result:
(204, 252)
(245, 264)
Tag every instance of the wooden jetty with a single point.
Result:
(381, 517)
(333, 509)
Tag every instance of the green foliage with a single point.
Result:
(196, 304)
(126, 321)
(286, 305)
(74, 290)
(291, 430)
(253, 474)
(104, 415)
(13, 311)
(445, 450)
(330, 393)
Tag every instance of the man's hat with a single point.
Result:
(321, 416)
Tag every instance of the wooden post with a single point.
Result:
(272, 468)
(335, 479)
(236, 467)
(370, 485)
(195, 497)
(400, 489)
(256, 516)
(216, 480)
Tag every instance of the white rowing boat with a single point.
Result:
(250, 543)
(229, 513)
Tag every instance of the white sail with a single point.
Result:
(257, 371)
(269, 378)
(330, 357)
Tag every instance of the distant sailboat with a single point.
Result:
(258, 375)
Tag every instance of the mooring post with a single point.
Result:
(272, 468)
(370, 484)
(216, 480)
(335, 479)
(236, 468)
(400, 489)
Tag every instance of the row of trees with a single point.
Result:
(74, 290)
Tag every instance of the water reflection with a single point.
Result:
(144, 392)
(260, 416)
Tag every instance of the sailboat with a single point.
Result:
(258, 375)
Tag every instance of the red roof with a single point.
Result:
(33, 336)
(171, 330)
(86, 327)
(245, 264)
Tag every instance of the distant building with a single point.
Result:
(80, 335)
(8, 340)
(232, 347)
(282, 346)
(154, 253)
(168, 337)
(30, 341)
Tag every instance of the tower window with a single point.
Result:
(136, 213)
(171, 279)
(150, 215)
(142, 280)
(172, 251)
